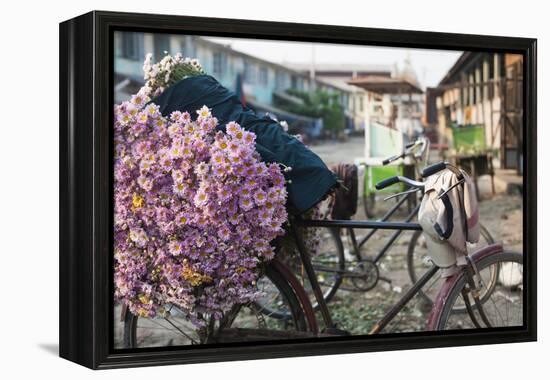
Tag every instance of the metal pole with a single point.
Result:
(306, 262)
(404, 300)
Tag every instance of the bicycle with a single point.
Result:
(491, 268)
(481, 305)
(175, 329)
(415, 155)
(330, 261)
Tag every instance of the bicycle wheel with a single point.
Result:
(328, 263)
(244, 323)
(418, 262)
(503, 307)
(369, 203)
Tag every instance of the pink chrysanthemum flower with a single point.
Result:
(189, 207)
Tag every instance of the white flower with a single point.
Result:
(204, 112)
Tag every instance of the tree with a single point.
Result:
(318, 103)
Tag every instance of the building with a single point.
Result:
(485, 90)
(403, 121)
(429, 118)
(384, 115)
(262, 80)
(362, 107)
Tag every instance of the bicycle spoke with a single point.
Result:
(501, 300)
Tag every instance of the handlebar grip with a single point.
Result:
(434, 168)
(388, 160)
(410, 145)
(392, 159)
(386, 182)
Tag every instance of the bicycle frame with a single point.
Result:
(421, 158)
(469, 270)
(358, 245)
(310, 272)
(404, 300)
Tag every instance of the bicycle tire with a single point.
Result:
(411, 257)
(445, 307)
(296, 313)
(341, 266)
(369, 204)
(330, 291)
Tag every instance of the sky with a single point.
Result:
(430, 65)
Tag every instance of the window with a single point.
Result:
(294, 82)
(471, 88)
(501, 66)
(263, 76)
(479, 82)
(491, 76)
(219, 63)
(279, 80)
(249, 72)
(132, 46)
(465, 90)
(161, 45)
(187, 48)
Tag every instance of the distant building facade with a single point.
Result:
(261, 80)
(363, 107)
(483, 89)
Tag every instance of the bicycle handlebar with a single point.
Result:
(408, 151)
(393, 180)
(392, 159)
(434, 168)
(386, 182)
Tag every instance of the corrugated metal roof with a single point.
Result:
(385, 85)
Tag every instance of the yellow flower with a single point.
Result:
(194, 278)
(143, 299)
(143, 313)
(137, 201)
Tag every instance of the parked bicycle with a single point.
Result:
(486, 292)
(415, 156)
(342, 254)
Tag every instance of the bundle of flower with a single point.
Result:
(195, 211)
(170, 69)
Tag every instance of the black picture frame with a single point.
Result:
(86, 178)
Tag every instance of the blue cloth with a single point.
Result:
(310, 178)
